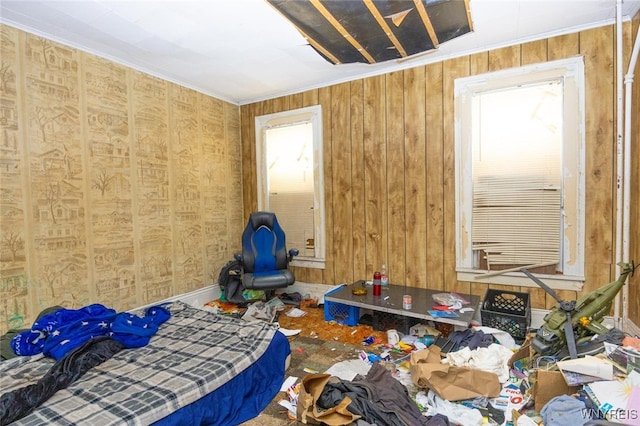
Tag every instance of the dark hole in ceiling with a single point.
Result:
(370, 31)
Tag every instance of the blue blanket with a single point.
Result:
(60, 332)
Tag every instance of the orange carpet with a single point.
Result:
(313, 324)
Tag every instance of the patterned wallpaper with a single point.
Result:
(116, 187)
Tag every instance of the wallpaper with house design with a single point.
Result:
(116, 187)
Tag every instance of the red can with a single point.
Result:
(377, 283)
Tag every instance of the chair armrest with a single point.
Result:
(293, 252)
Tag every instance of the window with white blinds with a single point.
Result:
(519, 173)
(517, 182)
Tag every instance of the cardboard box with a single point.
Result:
(450, 382)
(548, 385)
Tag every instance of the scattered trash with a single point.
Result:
(347, 370)
(450, 300)
(632, 342)
(309, 303)
(393, 337)
(288, 383)
(404, 347)
(423, 342)
(291, 409)
(291, 297)
(516, 402)
(260, 311)
(295, 313)
(370, 357)
(291, 405)
(276, 304)
(421, 330)
(253, 294)
(368, 340)
(289, 333)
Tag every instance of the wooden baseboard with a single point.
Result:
(196, 298)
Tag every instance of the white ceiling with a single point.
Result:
(243, 50)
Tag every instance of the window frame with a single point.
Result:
(313, 115)
(571, 71)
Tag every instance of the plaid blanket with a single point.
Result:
(193, 354)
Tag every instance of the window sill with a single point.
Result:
(308, 262)
(557, 282)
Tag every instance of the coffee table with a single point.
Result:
(390, 301)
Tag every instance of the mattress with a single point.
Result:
(199, 368)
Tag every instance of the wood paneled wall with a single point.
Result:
(389, 165)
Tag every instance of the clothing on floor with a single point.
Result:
(438, 420)
(564, 410)
(379, 398)
(471, 339)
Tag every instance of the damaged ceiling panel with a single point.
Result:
(372, 31)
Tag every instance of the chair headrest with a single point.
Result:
(259, 219)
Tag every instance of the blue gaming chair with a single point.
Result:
(264, 255)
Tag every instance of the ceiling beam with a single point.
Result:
(468, 9)
(387, 30)
(427, 22)
(333, 21)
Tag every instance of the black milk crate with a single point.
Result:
(507, 311)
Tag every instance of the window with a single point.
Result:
(520, 175)
(290, 179)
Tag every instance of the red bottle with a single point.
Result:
(377, 283)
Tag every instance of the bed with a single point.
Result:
(199, 368)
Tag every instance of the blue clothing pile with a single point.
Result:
(565, 410)
(59, 332)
